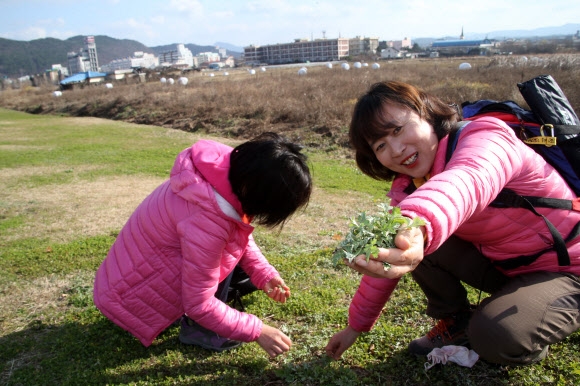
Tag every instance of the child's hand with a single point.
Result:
(273, 341)
(277, 290)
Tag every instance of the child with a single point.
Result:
(190, 233)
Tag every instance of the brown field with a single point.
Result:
(314, 108)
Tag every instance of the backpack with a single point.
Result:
(552, 129)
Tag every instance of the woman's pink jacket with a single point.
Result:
(175, 249)
(455, 201)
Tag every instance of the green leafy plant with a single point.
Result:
(368, 233)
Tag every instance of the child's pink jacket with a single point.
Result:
(175, 249)
(455, 201)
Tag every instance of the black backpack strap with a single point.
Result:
(510, 199)
(567, 129)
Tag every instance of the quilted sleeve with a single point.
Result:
(488, 155)
(203, 239)
(368, 302)
(256, 266)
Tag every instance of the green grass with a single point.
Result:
(51, 333)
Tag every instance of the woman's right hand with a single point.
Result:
(341, 341)
(403, 259)
(273, 341)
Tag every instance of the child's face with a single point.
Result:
(409, 144)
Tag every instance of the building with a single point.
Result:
(400, 44)
(139, 59)
(180, 58)
(84, 60)
(83, 79)
(57, 73)
(229, 62)
(300, 51)
(208, 57)
(391, 53)
(463, 47)
(361, 45)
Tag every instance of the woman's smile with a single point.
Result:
(410, 161)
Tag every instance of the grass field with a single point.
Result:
(67, 187)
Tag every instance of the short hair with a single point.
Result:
(270, 177)
(367, 126)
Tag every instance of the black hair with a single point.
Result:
(270, 177)
(367, 123)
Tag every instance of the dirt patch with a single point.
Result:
(21, 302)
(325, 220)
(65, 212)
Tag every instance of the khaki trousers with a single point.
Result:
(518, 321)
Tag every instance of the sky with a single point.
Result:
(261, 22)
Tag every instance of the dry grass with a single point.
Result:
(63, 213)
(314, 108)
(21, 301)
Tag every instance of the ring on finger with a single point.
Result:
(386, 266)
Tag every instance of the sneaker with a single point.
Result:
(193, 333)
(448, 331)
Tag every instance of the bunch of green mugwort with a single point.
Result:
(369, 233)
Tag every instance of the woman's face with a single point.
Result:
(409, 144)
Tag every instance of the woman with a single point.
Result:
(399, 134)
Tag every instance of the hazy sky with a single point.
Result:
(261, 22)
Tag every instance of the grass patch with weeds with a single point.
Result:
(51, 333)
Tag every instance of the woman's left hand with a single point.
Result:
(403, 259)
(277, 290)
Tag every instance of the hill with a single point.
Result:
(18, 58)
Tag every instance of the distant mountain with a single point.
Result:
(19, 58)
(566, 29)
(229, 47)
(195, 49)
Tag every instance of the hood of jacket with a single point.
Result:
(205, 162)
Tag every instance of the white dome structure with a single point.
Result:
(465, 66)
(252, 72)
(302, 71)
(328, 65)
(182, 81)
(357, 65)
(57, 93)
(163, 80)
(345, 66)
(171, 81)
(376, 66)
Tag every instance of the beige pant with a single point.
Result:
(518, 321)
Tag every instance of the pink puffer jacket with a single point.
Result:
(455, 201)
(175, 249)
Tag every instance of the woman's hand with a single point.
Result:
(277, 290)
(403, 259)
(273, 341)
(340, 342)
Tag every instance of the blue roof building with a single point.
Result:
(84, 78)
(462, 47)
